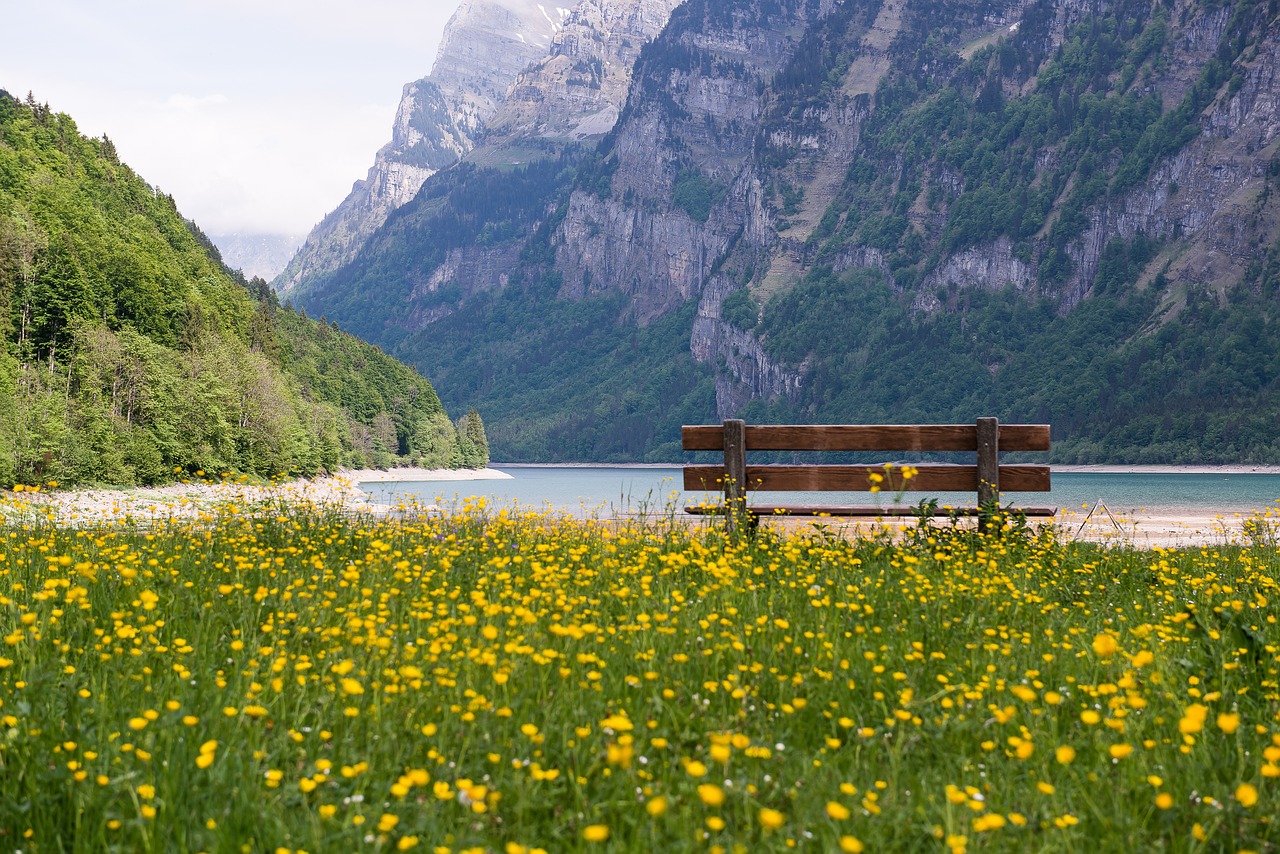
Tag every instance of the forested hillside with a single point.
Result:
(130, 354)
(875, 210)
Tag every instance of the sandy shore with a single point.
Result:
(1114, 469)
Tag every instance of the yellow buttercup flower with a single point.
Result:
(595, 832)
(711, 794)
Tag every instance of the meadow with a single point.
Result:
(297, 679)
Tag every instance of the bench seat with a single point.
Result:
(863, 511)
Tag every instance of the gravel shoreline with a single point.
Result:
(190, 500)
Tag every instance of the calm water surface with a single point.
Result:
(588, 490)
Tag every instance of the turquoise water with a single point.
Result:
(587, 490)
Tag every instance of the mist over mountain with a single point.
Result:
(1046, 210)
(257, 254)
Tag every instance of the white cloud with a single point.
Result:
(191, 103)
(256, 115)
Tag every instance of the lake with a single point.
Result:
(604, 490)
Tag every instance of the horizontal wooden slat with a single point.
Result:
(858, 510)
(929, 478)
(867, 437)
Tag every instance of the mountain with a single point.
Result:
(872, 210)
(511, 81)
(486, 44)
(129, 352)
(255, 254)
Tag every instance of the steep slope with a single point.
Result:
(1051, 209)
(485, 45)
(129, 352)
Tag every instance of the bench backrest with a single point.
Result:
(987, 437)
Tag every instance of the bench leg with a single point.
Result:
(735, 469)
(988, 470)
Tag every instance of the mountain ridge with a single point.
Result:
(999, 185)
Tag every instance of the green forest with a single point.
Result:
(131, 355)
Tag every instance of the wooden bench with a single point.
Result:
(987, 437)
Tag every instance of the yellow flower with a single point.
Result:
(837, 811)
(771, 819)
(1228, 723)
(851, 845)
(1065, 754)
(1120, 751)
(595, 832)
(387, 822)
(1193, 719)
(617, 723)
(695, 769)
(1104, 644)
(711, 794)
(657, 806)
(1247, 795)
(1164, 800)
(406, 842)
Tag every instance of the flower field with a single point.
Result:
(498, 682)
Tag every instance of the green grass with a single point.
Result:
(499, 682)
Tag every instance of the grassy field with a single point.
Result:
(297, 680)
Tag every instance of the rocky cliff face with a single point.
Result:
(710, 116)
(486, 44)
(577, 90)
(683, 188)
(1211, 199)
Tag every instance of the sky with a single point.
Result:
(255, 115)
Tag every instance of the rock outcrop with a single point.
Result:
(577, 90)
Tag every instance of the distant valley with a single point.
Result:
(254, 254)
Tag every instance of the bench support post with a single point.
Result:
(735, 471)
(988, 469)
